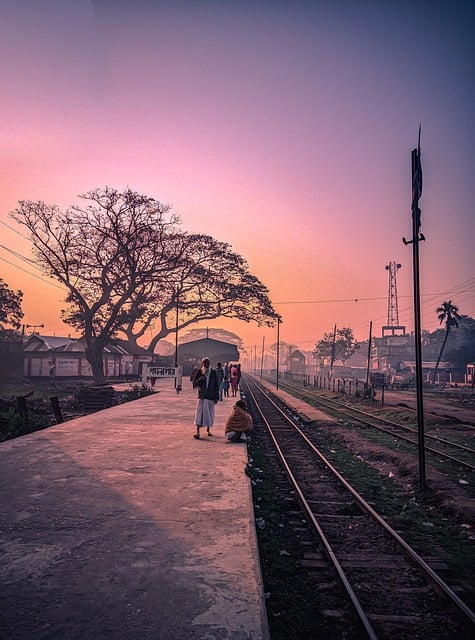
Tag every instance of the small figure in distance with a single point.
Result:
(206, 382)
(238, 423)
(226, 380)
(220, 377)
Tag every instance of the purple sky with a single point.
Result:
(282, 128)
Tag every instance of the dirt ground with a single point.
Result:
(403, 469)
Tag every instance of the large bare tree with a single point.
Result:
(102, 252)
(208, 281)
(128, 268)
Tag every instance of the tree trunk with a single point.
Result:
(440, 354)
(94, 355)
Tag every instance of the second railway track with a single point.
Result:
(459, 454)
(390, 591)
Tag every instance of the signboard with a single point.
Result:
(153, 372)
(377, 379)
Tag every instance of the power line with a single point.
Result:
(356, 300)
(34, 275)
(19, 255)
(13, 229)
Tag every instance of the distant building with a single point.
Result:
(190, 354)
(296, 362)
(59, 357)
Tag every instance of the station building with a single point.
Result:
(190, 354)
(59, 357)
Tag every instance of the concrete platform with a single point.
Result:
(121, 526)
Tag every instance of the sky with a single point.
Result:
(283, 128)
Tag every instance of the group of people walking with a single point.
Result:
(213, 385)
(228, 376)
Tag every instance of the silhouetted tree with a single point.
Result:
(209, 281)
(10, 309)
(343, 343)
(102, 253)
(285, 350)
(461, 352)
(128, 268)
(447, 313)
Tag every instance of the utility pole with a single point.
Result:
(278, 353)
(176, 332)
(333, 353)
(416, 238)
(369, 352)
(262, 355)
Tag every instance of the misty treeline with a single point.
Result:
(130, 270)
(455, 342)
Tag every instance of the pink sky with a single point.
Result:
(283, 128)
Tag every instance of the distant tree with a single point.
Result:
(10, 309)
(285, 350)
(341, 344)
(210, 281)
(448, 314)
(346, 345)
(463, 349)
(103, 253)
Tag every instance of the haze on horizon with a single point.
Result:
(283, 128)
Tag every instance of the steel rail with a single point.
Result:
(411, 553)
(391, 423)
(328, 548)
(369, 419)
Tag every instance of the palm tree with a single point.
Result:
(449, 314)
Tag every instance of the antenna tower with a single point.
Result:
(393, 327)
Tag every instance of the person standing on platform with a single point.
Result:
(226, 386)
(206, 382)
(220, 377)
(239, 422)
(233, 373)
(226, 380)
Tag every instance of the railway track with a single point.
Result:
(376, 585)
(458, 454)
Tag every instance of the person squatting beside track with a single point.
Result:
(238, 423)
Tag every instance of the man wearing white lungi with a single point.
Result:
(206, 382)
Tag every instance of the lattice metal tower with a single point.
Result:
(393, 325)
(393, 312)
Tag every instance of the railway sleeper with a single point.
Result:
(383, 562)
(395, 619)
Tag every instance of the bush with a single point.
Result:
(13, 423)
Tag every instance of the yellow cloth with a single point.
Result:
(239, 420)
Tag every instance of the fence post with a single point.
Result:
(21, 403)
(57, 409)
